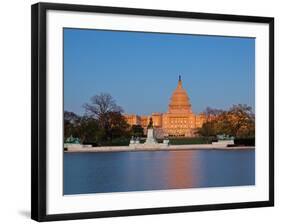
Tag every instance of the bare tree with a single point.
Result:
(101, 108)
(100, 105)
(211, 113)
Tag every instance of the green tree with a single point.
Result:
(88, 130)
(71, 121)
(208, 129)
(116, 126)
(137, 130)
(83, 127)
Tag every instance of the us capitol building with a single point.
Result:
(178, 121)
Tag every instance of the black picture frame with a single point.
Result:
(38, 108)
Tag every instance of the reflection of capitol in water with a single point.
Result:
(183, 169)
(178, 121)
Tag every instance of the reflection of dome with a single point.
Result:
(179, 102)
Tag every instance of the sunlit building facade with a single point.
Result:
(179, 120)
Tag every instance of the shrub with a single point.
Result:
(194, 140)
(244, 141)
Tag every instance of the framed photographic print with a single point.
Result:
(139, 111)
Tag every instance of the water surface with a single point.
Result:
(157, 170)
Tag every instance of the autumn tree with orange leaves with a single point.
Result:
(238, 121)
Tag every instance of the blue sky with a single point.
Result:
(140, 70)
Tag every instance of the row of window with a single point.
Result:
(179, 122)
(180, 126)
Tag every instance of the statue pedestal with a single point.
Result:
(150, 137)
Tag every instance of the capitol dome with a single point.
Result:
(179, 102)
